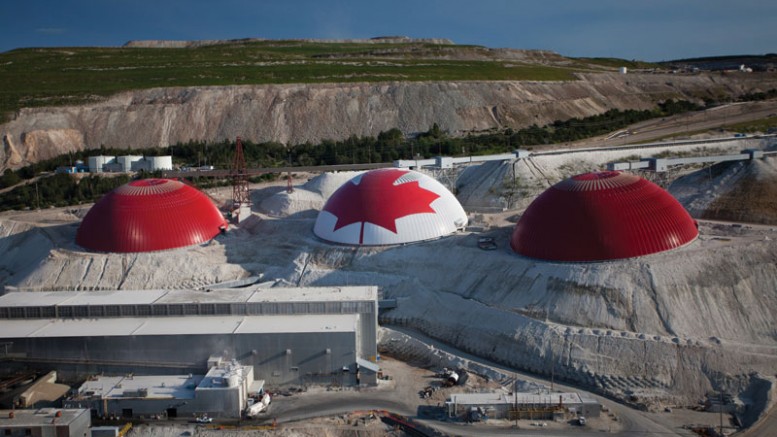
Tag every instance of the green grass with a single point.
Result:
(617, 63)
(762, 125)
(748, 127)
(60, 76)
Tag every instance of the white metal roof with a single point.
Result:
(215, 296)
(201, 325)
(313, 294)
(18, 330)
(128, 297)
(40, 417)
(49, 298)
(158, 386)
(521, 398)
(115, 297)
(480, 398)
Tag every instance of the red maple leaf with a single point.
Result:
(377, 200)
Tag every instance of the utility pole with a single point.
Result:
(720, 409)
(515, 402)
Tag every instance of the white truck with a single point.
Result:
(258, 406)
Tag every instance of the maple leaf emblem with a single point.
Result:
(378, 197)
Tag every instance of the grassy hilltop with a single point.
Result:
(60, 76)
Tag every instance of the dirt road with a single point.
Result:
(713, 118)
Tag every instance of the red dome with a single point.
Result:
(147, 215)
(602, 216)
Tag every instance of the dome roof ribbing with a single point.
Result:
(602, 216)
(148, 215)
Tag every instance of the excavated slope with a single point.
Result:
(740, 191)
(295, 114)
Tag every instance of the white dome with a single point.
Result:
(389, 206)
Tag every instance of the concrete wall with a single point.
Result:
(367, 334)
(79, 427)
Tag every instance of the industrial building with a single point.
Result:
(222, 392)
(44, 392)
(45, 422)
(666, 164)
(288, 335)
(602, 216)
(128, 163)
(528, 406)
(389, 206)
(150, 214)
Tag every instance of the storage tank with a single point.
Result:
(126, 161)
(160, 162)
(96, 163)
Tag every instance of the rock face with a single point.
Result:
(164, 43)
(297, 113)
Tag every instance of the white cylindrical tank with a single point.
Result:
(160, 162)
(624, 70)
(96, 162)
(126, 161)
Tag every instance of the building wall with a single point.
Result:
(223, 402)
(217, 402)
(25, 426)
(368, 334)
(79, 427)
(278, 358)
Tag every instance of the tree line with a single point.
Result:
(387, 146)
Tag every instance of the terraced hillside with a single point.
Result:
(293, 92)
(56, 76)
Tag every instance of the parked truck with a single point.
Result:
(258, 406)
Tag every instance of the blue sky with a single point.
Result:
(651, 30)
